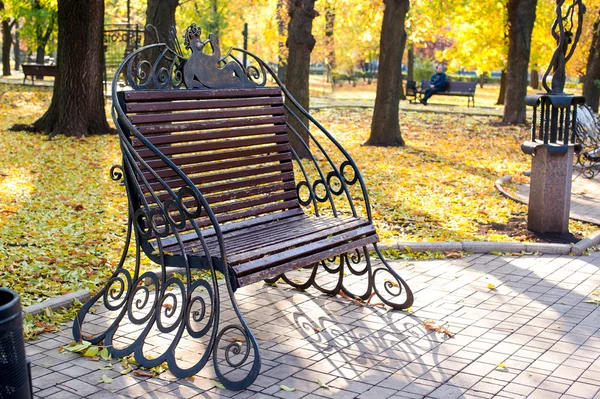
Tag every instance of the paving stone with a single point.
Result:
(583, 390)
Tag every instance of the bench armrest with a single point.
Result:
(327, 174)
(161, 219)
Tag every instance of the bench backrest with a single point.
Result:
(232, 143)
(454, 87)
(33, 69)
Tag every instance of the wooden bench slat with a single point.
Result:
(162, 106)
(212, 124)
(203, 115)
(299, 237)
(247, 174)
(305, 261)
(214, 146)
(224, 187)
(174, 95)
(255, 241)
(215, 166)
(232, 228)
(314, 246)
(217, 156)
(211, 135)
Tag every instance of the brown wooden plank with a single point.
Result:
(245, 174)
(300, 252)
(210, 135)
(237, 194)
(295, 213)
(211, 124)
(172, 95)
(215, 188)
(166, 105)
(293, 239)
(215, 166)
(279, 235)
(214, 146)
(304, 261)
(217, 156)
(194, 116)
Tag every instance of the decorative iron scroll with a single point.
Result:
(381, 280)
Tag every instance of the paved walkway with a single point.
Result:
(585, 198)
(532, 336)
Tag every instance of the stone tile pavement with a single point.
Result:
(535, 322)
(585, 198)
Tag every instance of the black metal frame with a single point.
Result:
(331, 185)
(587, 133)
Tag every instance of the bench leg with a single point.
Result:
(382, 280)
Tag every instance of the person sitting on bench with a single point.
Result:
(437, 83)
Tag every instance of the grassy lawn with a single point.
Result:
(62, 220)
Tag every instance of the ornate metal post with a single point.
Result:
(553, 131)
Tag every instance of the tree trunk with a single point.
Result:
(300, 43)
(282, 56)
(521, 17)
(502, 93)
(403, 46)
(17, 47)
(6, 42)
(77, 107)
(591, 83)
(161, 15)
(329, 39)
(385, 128)
(410, 68)
(535, 79)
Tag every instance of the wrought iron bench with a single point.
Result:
(214, 185)
(460, 89)
(35, 70)
(587, 132)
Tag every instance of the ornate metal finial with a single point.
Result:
(566, 42)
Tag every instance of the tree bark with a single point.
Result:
(385, 128)
(502, 93)
(410, 68)
(403, 46)
(300, 44)
(17, 47)
(535, 79)
(591, 91)
(521, 17)
(329, 38)
(6, 42)
(282, 57)
(161, 15)
(77, 107)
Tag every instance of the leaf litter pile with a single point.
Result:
(62, 219)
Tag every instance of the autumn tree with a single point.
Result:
(521, 17)
(300, 43)
(7, 25)
(77, 106)
(385, 127)
(161, 15)
(591, 84)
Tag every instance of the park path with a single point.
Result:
(533, 335)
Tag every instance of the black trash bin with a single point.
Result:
(14, 375)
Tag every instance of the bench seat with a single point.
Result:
(280, 243)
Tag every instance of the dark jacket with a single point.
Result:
(438, 80)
